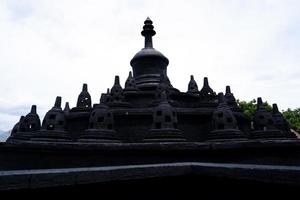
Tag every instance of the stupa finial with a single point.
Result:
(33, 109)
(228, 90)
(205, 82)
(67, 107)
(193, 87)
(117, 80)
(84, 87)
(57, 102)
(260, 104)
(148, 32)
(275, 108)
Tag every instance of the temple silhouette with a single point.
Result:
(149, 109)
(148, 137)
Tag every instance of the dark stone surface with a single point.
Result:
(45, 155)
(172, 187)
(76, 176)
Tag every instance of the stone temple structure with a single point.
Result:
(148, 108)
(148, 137)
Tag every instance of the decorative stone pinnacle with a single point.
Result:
(84, 87)
(192, 86)
(205, 81)
(228, 90)
(57, 102)
(148, 32)
(275, 108)
(259, 103)
(117, 80)
(33, 109)
(67, 107)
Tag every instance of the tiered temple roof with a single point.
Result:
(150, 109)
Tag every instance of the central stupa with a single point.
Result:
(148, 64)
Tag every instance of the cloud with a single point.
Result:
(49, 48)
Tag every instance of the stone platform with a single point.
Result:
(46, 165)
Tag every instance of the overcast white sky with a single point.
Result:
(49, 48)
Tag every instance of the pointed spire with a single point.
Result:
(116, 92)
(129, 80)
(148, 32)
(275, 108)
(130, 84)
(260, 104)
(84, 100)
(205, 82)
(84, 87)
(280, 122)
(57, 102)
(230, 99)
(33, 109)
(67, 107)
(117, 80)
(259, 101)
(206, 90)
(193, 87)
(228, 90)
(32, 120)
(107, 91)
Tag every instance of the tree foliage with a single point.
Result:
(249, 108)
(293, 116)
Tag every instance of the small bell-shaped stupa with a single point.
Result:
(193, 87)
(223, 122)
(84, 101)
(165, 124)
(116, 96)
(206, 90)
(54, 125)
(280, 122)
(100, 128)
(27, 127)
(264, 124)
(130, 85)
